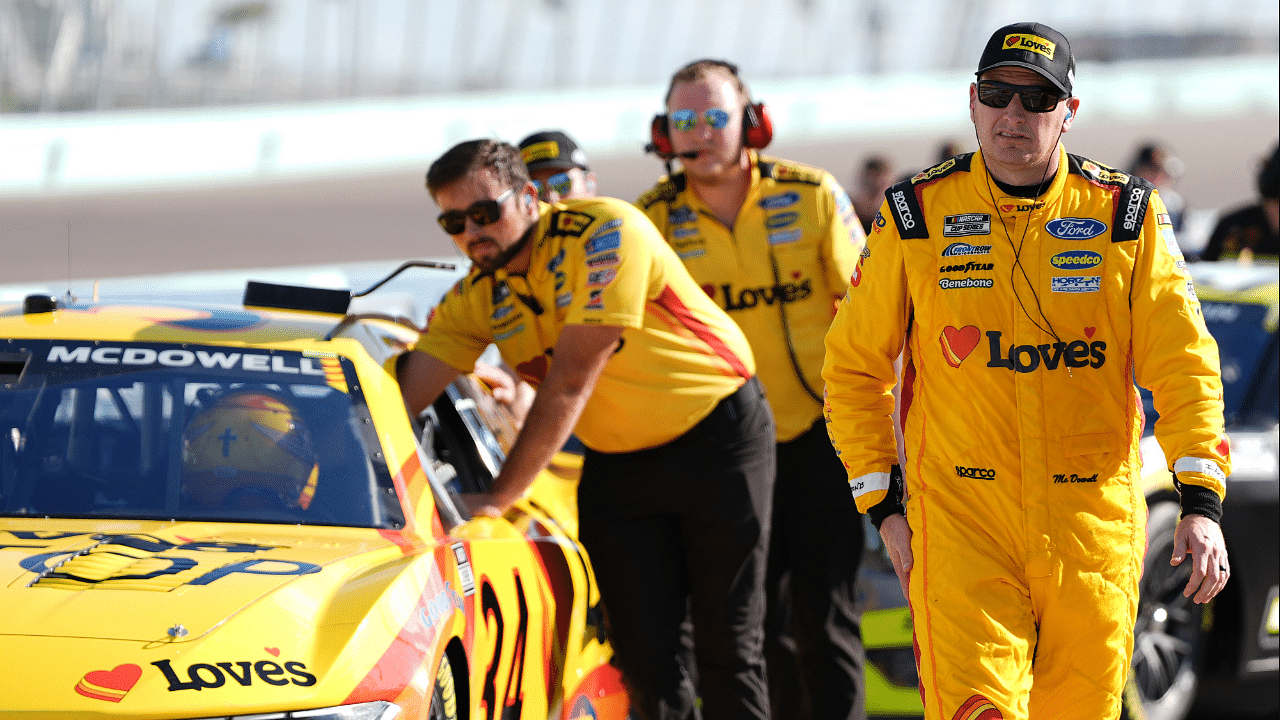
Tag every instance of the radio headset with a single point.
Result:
(757, 126)
(1017, 247)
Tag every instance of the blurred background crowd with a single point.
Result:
(153, 62)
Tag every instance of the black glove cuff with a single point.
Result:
(892, 502)
(1199, 500)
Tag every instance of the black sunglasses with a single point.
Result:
(1035, 98)
(481, 212)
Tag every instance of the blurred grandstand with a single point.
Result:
(98, 55)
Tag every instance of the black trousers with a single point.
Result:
(813, 636)
(682, 531)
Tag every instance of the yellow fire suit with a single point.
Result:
(1023, 325)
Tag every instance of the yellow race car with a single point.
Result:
(227, 512)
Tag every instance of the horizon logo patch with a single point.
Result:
(1086, 284)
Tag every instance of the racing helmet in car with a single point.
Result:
(249, 449)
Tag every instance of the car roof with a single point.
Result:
(214, 324)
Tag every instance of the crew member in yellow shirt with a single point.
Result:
(774, 242)
(591, 307)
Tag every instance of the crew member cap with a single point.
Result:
(1033, 46)
(551, 149)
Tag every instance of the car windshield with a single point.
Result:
(187, 432)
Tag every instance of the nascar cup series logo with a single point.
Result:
(967, 224)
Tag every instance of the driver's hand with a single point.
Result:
(896, 534)
(1201, 538)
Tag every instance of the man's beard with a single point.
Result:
(488, 266)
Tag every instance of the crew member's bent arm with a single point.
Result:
(422, 379)
(581, 352)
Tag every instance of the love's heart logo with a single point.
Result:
(1012, 40)
(275, 651)
(957, 343)
(1088, 332)
(1007, 208)
(534, 371)
(110, 685)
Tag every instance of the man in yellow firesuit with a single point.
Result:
(1025, 289)
(774, 243)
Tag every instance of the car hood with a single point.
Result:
(167, 582)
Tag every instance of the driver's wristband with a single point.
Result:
(892, 502)
(1198, 500)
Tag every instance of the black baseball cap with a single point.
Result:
(1033, 46)
(552, 149)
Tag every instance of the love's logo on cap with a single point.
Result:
(545, 150)
(1034, 43)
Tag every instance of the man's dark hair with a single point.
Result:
(472, 156)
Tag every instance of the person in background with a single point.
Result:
(872, 180)
(1025, 290)
(947, 149)
(557, 166)
(1250, 232)
(1154, 163)
(774, 243)
(585, 300)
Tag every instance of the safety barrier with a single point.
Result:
(78, 153)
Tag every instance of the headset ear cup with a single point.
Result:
(659, 135)
(757, 126)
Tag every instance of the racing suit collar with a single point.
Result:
(988, 189)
